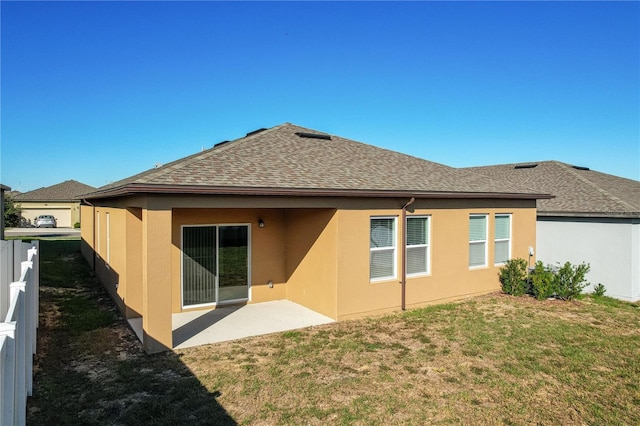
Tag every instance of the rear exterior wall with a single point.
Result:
(449, 277)
(316, 255)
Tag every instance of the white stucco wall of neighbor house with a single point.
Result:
(610, 246)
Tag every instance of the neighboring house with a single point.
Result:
(3, 189)
(292, 213)
(594, 218)
(61, 200)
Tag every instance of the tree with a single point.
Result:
(11, 212)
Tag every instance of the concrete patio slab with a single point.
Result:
(235, 322)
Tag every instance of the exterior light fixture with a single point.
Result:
(270, 284)
(260, 223)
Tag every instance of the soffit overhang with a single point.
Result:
(168, 190)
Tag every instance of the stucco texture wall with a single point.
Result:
(117, 254)
(267, 253)
(315, 256)
(449, 277)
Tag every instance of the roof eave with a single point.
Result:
(136, 189)
(46, 200)
(601, 215)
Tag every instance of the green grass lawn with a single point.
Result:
(491, 360)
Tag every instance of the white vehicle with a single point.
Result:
(46, 221)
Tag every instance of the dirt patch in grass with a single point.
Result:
(491, 360)
(90, 367)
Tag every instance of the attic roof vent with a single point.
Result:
(525, 166)
(221, 143)
(313, 136)
(580, 168)
(256, 131)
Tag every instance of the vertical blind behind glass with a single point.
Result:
(199, 264)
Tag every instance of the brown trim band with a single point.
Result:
(133, 189)
(601, 215)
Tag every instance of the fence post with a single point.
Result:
(35, 302)
(6, 275)
(18, 295)
(17, 259)
(29, 326)
(8, 374)
(4, 342)
(18, 327)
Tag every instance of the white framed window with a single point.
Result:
(417, 245)
(382, 248)
(502, 239)
(477, 240)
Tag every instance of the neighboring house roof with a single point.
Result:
(4, 188)
(578, 191)
(69, 190)
(292, 160)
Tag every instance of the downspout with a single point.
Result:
(403, 282)
(93, 227)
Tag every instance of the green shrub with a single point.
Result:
(570, 280)
(12, 212)
(513, 277)
(599, 290)
(76, 225)
(543, 281)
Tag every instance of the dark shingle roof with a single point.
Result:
(288, 159)
(69, 190)
(578, 191)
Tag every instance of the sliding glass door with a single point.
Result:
(215, 264)
(233, 263)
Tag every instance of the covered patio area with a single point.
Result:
(237, 321)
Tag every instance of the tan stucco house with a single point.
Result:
(61, 201)
(343, 228)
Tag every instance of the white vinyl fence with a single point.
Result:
(19, 285)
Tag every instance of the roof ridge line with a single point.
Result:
(185, 161)
(164, 169)
(602, 191)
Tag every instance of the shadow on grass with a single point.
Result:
(91, 369)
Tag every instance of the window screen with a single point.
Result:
(477, 240)
(502, 238)
(417, 249)
(382, 248)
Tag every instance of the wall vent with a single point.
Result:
(313, 136)
(525, 166)
(256, 131)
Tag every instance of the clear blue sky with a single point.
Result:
(99, 91)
